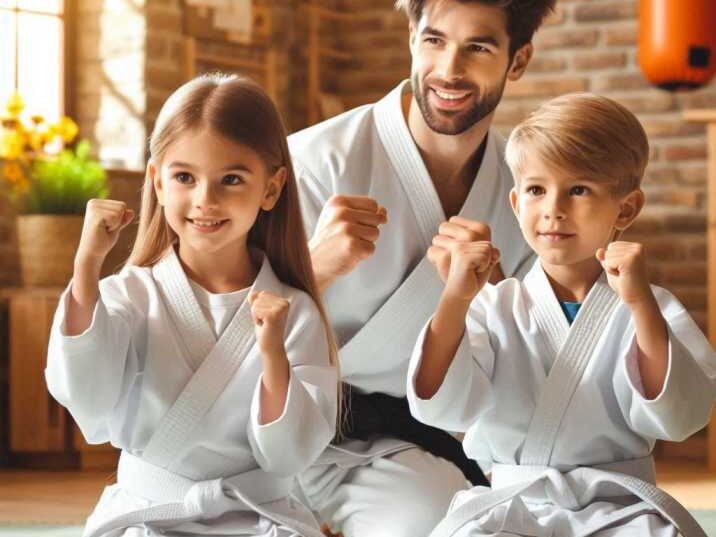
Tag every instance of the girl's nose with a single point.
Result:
(205, 198)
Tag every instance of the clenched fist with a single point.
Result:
(104, 220)
(345, 235)
(269, 313)
(454, 231)
(625, 265)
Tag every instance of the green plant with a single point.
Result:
(64, 184)
(38, 174)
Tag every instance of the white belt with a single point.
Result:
(506, 475)
(180, 499)
(511, 481)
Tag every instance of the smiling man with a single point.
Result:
(377, 183)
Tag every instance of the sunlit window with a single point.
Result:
(32, 54)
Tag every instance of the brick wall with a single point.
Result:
(585, 46)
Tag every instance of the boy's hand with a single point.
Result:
(470, 266)
(625, 265)
(104, 220)
(455, 230)
(345, 235)
(269, 313)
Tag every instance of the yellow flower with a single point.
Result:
(11, 144)
(37, 119)
(12, 172)
(68, 129)
(15, 105)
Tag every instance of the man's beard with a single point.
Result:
(452, 123)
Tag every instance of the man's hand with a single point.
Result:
(347, 230)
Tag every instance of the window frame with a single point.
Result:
(67, 20)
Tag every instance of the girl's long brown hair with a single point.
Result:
(238, 109)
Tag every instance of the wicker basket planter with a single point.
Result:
(47, 244)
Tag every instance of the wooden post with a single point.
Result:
(709, 117)
(314, 58)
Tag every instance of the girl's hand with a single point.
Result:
(104, 220)
(625, 265)
(269, 313)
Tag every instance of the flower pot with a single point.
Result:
(47, 244)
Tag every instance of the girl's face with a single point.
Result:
(212, 189)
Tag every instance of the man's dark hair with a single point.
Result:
(523, 16)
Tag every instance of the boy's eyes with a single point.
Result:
(579, 190)
(534, 190)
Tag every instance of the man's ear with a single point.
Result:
(274, 187)
(156, 178)
(412, 35)
(629, 208)
(522, 57)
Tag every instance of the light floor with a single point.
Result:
(28, 497)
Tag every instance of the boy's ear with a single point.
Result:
(522, 57)
(156, 178)
(629, 208)
(274, 187)
(513, 202)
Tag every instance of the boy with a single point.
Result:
(563, 382)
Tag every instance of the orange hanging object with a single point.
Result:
(677, 42)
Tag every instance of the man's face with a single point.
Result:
(460, 64)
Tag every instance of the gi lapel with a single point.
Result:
(216, 369)
(570, 363)
(393, 329)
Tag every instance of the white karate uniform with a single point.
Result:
(378, 308)
(558, 413)
(150, 376)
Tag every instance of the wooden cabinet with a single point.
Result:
(42, 433)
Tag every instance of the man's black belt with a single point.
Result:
(368, 415)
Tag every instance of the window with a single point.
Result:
(32, 54)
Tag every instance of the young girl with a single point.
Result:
(564, 381)
(208, 359)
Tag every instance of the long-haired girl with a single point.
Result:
(208, 359)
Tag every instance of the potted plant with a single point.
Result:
(48, 182)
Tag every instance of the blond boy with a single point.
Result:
(564, 381)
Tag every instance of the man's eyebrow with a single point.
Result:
(474, 39)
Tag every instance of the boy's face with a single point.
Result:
(460, 53)
(566, 218)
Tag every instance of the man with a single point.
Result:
(377, 184)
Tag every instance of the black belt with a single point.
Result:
(373, 414)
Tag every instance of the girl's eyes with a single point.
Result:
(579, 190)
(187, 179)
(184, 178)
(231, 179)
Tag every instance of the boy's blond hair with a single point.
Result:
(584, 135)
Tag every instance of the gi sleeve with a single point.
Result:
(684, 404)
(88, 373)
(293, 441)
(466, 391)
(312, 194)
